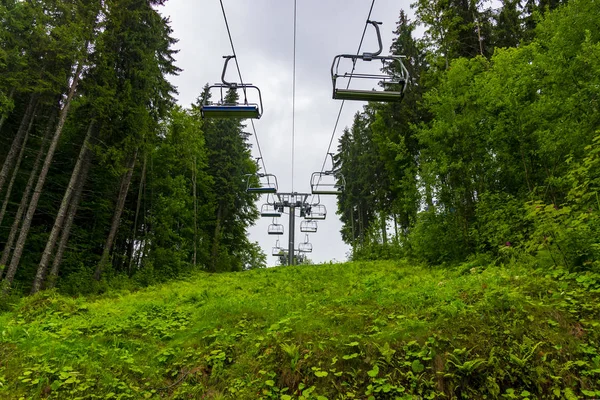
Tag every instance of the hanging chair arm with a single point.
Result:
(228, 84)
(367, 56)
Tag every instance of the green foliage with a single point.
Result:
(359, 330)
(500, 223)
(233, 208)
(379, 251)
(488, 153)
(436, 238)
(567, 235)
(185, 207)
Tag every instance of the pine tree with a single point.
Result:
(133, 60)
(229, 159)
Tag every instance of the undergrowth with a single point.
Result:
(380, 330)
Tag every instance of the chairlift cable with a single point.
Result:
(232, 46)
(294, 97)
(237, 65)
(262, 160)
(337, 121)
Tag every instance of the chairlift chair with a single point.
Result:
(398, 78)
(275, 228)
(223, 108)
(316, 212)
(264, 183)
(269, 211)
(308, 226)
(277, 250)
(327, 182)
(306, 246)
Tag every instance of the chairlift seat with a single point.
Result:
(367, 95)
(275, 229)
(230, 111)
(277, 251)
(317, 212)
(327, 183)
(224, 109)
(305, 247)
(308, 226)
(335, 190)
(262, 190)
(267, 183)
(399, 77)
(270, 214)
(269, 210)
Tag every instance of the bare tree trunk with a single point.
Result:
(17, 141)
(479, 38)
(74, 204)
(62, 213)
(361, 228)
(216, 240)
(194, 190)
(137, 213)
(144, 243)
(116, 220)
(353, 233)
(24, 200)
(383, 228)
(19, 247)
(13, 178)
(5, 115)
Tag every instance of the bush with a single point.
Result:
(436, 238)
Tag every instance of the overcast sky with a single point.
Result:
(262, 33)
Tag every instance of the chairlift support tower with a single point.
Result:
(292, 202)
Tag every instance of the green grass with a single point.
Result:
(381, 330)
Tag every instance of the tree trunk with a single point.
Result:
(15, 172)
(62, 212)
(194, 190)
(360, 227)
(215, 246)
(74, 204)
(144, 243)
(384, 228)
(137, 213)
(5, 115)
(116, 220)
(25, 198)
(353, 233)
(19, 247)
(17, 141)
(478, 34)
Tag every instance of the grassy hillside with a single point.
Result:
(380, 330)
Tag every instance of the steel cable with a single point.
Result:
(337, 121)
(242, 82)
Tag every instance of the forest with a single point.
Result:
(126, 270)
(493, 151)
(103, 175)
(106, 181)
